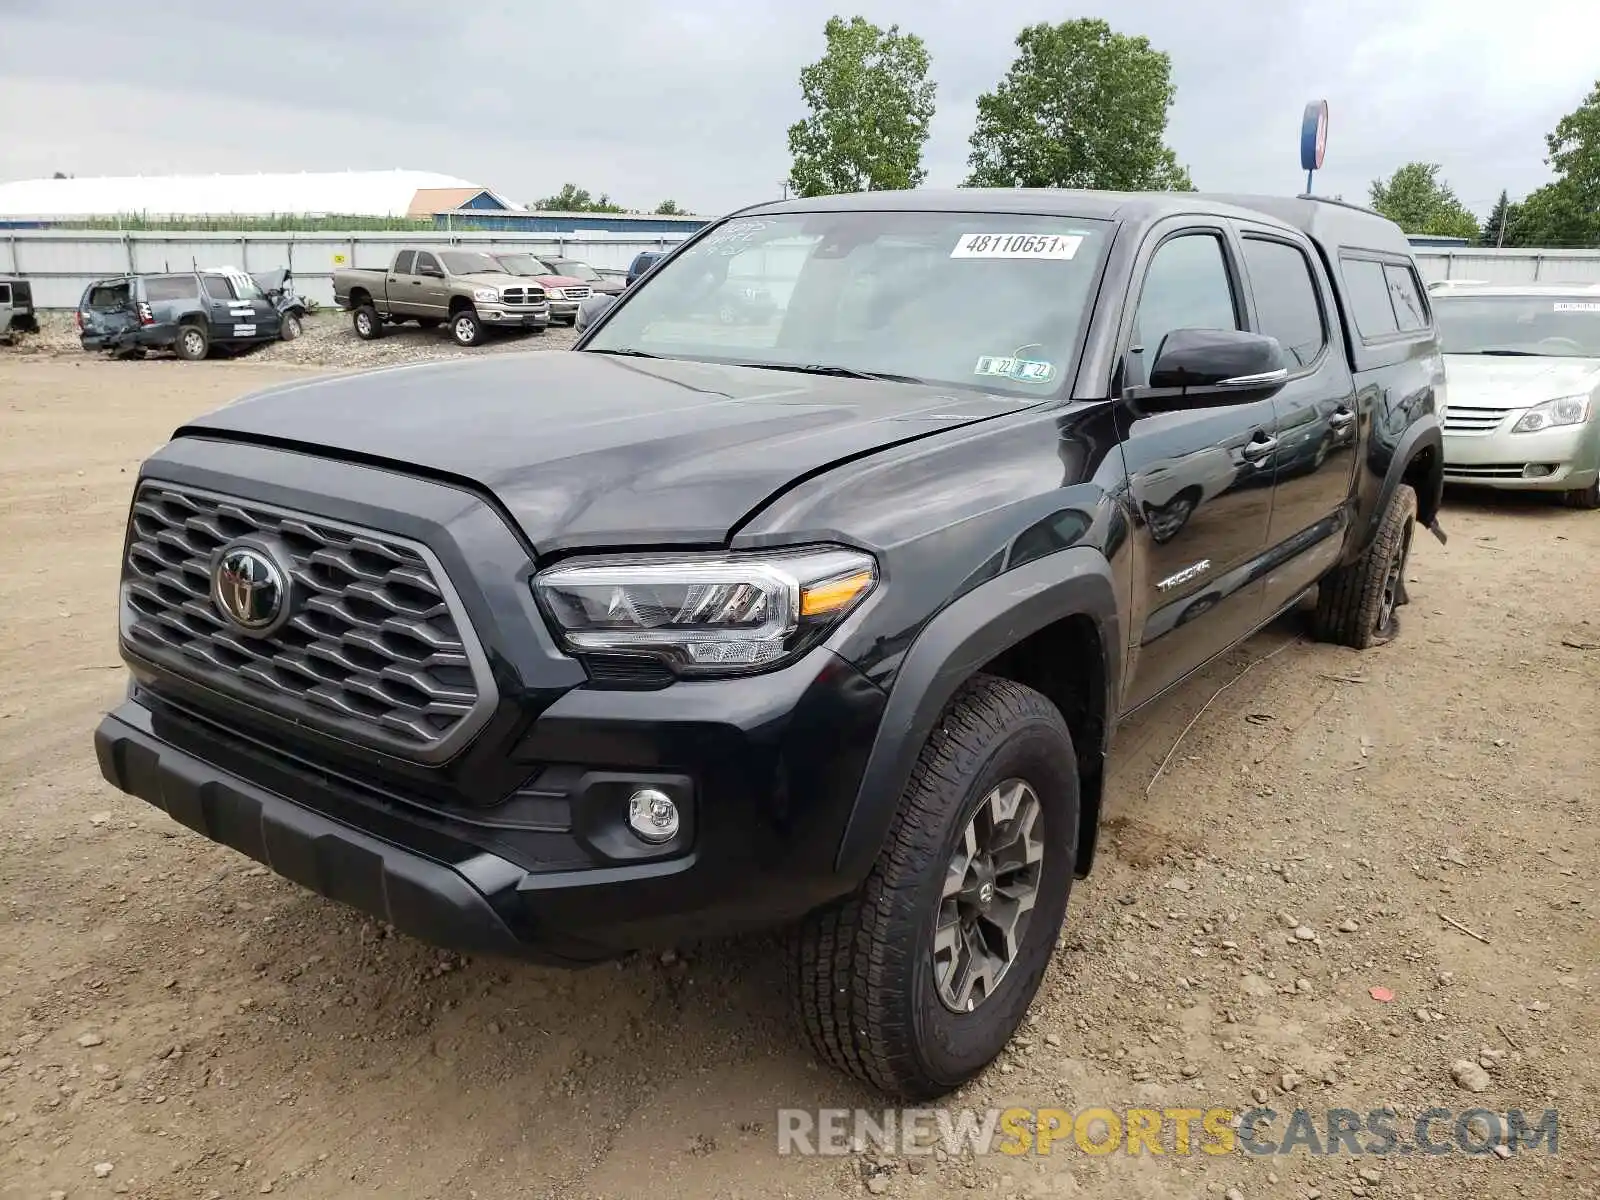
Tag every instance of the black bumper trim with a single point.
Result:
(417, 895)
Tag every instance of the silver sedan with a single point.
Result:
(1523, 365)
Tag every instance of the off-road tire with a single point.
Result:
(1350, 599)
(193, 343)
(367, 323)
(467, 328)
(861, 970)
(1588, 497)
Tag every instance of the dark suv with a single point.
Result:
(187, 312)
(824, 623)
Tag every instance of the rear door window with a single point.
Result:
(5, 293)
(1287, 303)
(170, 287)
(404, 262)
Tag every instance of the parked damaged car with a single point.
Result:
(187, 312)
(16, 308)
(278, 287)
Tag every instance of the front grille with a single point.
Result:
(1473, 420)
(1494, 471)
(375, 649)
(516, 295)
(577, 293)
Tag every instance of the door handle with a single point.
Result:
(1259, 448)
(1341, 418)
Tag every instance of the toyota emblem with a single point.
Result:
(249, 588)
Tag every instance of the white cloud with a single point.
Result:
(691, 100)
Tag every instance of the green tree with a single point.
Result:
(668, 208)
(572, 198)
(1417, 200)
(1505, 220)
(1081, 107)
(1566, 212)
(871, 102)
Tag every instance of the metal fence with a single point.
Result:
(62, 262)
(1488, 265)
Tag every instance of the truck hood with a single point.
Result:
(494, 279)
(598, 450)
(560, 281)
(1506, 381)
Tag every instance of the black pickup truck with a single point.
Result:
(823, 622)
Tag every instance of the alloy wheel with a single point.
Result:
(990, 887)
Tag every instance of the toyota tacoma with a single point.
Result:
(823, 624)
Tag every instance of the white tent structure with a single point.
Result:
(342, 193)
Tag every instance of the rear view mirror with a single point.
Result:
(590, 310)
(1218, 362)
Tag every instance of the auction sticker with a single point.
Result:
(1577, 306)
(1023, 370)
(1017, 245)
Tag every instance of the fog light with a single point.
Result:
(1537, 471)
(652, 815)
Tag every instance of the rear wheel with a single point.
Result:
(1356, 603)
(915, 983)
(1588, 497)
(467, 328)
(193, 343)
(366, 322)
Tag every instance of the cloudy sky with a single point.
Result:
(691, 98)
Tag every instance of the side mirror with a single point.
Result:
(590, 310)
(1217, 363)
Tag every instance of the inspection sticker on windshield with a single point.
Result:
(1017, 245)
(1023, 370)
(1577, 306)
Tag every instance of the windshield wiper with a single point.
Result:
(627, 352)
(837, 372)
(1510, 353)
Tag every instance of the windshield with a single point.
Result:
(577, 270)
(1552, 326)
(978, 300)
(523, 264)
(469, 262)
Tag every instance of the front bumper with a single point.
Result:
(764, 770)
(563, 309)
(537, 318)
(1559, 459)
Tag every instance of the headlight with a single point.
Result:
(1569, 410)
(706, 614)
(487, 295)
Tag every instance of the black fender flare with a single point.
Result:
(1424, 433)
(954, 645)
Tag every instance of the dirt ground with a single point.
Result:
(176, 1022)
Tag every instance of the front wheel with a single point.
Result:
(915, 982)
(1588, 497)
(467, 328)
(291, 327)
(1356, 603)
